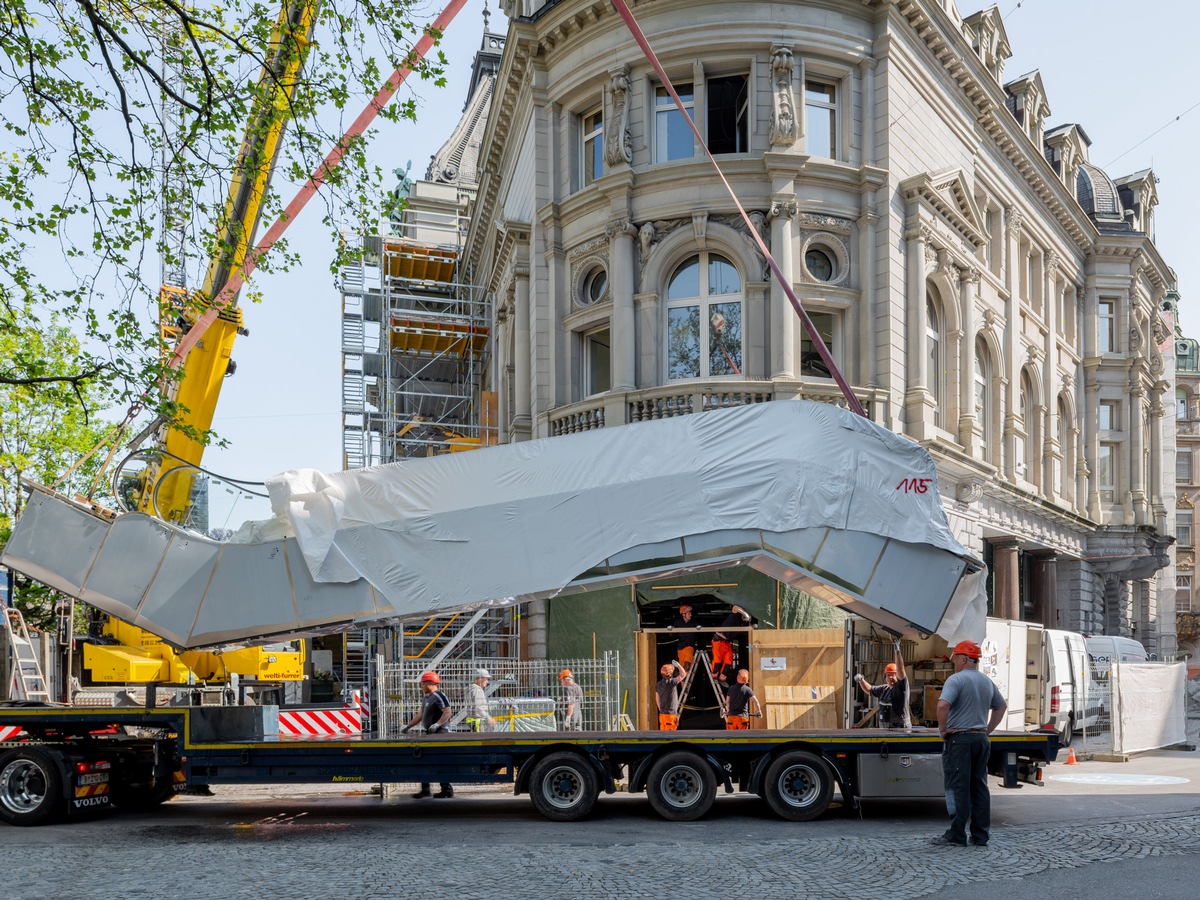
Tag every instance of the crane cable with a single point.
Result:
(814, 335)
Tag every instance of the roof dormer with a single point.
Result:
(1139, 195)
(985, 31)
(1027, 102)
(1066, 148)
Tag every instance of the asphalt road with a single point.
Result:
(1066, 839)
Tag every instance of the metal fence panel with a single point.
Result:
(523, 696)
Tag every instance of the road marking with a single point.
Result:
(1118, 780)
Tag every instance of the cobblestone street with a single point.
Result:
(484, 843)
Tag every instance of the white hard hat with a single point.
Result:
(482, 673)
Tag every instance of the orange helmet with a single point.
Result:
(684, 608)
(431, 678)
(565, 673)
(969, 649)
(889, 669)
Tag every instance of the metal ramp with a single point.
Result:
(27, 683)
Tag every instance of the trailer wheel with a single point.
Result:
(563, 787)
(798, 786)
(681, 787)
(31, 788)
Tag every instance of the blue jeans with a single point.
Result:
(965, 764)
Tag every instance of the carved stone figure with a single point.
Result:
(783, 131)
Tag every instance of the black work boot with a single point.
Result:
(422, 794)
(443, 794)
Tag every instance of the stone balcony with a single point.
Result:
(683, 399)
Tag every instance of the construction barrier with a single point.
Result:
(8, 732)
(318, 723)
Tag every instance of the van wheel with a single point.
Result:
(1066, 732)
(681, 787)
(798, 786)
(31, 788)
(563, 787)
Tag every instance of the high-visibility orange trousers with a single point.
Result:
(668, 722)
(722, 656)
(686, 655)
(737, 723)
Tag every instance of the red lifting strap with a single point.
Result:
(851, 400)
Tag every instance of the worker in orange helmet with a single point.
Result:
(666, 695)
(687, 637)
(572, 701)
(737, 715)
(434, 714)
(893, 694)
(970, 708)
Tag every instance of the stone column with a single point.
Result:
(621, 283)
(1051, 451)
(967, 435)
(1135, 503)
(500, 378)
(1045, 587)
(522, 356)
(1012, 313)
(1091, 487)
(783, 319)
(916, 393)
(1006, 584)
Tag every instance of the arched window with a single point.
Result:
(1063, 478)
(1181, 404)
(1028, 415)
(983, 394)
(933, 350)
(704, 319)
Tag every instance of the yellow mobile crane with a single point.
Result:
(123, 653)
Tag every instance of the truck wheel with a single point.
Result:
(681, 787)
(798, 786)
(31, 788)
(563, 787)
(1065, 733)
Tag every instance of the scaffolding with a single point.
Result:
(415, 346)
(415, 337)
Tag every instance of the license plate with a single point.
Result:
(93, 778)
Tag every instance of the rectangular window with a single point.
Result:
(820, 119)
(1183, 467)
(1106, 328)
(1110, 415)
(728, 120)
(597, 362)
(1183, 527)
(811, 363)
(672, 134)
(593, 145)
(1183, 593)
(1106, 472)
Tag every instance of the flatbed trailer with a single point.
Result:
(69, 761)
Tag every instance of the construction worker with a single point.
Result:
(892, 694)
(572, 702)
(478, 715)
(687, 640)
(666, 695)
(969, 709)
(722, 647)
(737, 716)
(433, 716)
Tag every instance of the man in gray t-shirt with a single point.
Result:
(572, 702)
(970, 708)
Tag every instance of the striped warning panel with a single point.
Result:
(307, 723)
(8, 732)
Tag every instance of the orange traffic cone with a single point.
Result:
(1071, 757)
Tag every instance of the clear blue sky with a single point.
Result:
(1121, 70)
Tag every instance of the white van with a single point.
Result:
(1101, 651)
(1065, 670)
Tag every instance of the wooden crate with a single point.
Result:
(806, 692)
